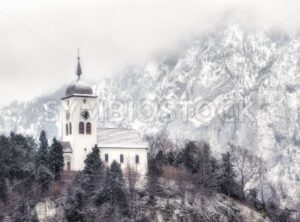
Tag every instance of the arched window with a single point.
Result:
(137, 159)
(70, 128)
(67, 129)
(121, 158)
(81, 128)
(106, 158)
(88, 128)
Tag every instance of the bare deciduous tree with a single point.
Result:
(247, 165)
(158, 142)
(261, 176)
(181, 177)
(132, 177)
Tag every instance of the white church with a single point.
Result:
(80, 133)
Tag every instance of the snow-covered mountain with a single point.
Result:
(229, 85)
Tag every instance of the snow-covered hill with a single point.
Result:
(196, 207)
(229, 85)
(30, 118)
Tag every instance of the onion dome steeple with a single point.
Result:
(79, 87)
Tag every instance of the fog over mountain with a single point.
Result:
(232, 84)
(39, 40)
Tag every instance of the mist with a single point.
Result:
(39, 39)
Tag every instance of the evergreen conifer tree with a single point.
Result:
(45, 177)
(179, 158)
(154, 172)
(3, 187)
(42, 153)
(88, 182)
(27, 149)
(161, 157)
(74, 210)
(15, 158)
(117, 185)
(214, 180)
(5, 163)
(227, 175)
(92, 172)
(191, 157)
(171, 158)
(93, 162)
(56, 158)
(114, 190)
(205, 163)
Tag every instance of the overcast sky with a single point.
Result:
(39, 39)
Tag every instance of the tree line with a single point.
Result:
(27, 170)
(106, 193)
(99, 192)
(237, 173)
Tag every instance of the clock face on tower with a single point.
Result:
(85, 114)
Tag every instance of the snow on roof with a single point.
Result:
(66, 147)
(119, 138)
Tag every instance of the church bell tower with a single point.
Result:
(79, 123)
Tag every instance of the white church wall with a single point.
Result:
(129, 158)
(81, 144)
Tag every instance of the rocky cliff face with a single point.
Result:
(229, 85)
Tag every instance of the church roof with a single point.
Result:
(119, 138)
(79, 87)
(66, 147)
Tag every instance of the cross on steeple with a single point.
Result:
(78, 69)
